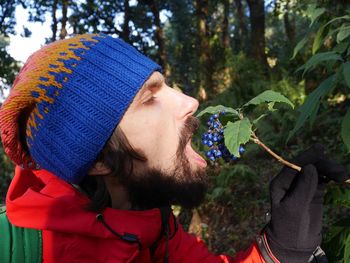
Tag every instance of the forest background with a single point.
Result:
(226, 52)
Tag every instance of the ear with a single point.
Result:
(99, 169)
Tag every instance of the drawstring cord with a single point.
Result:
(166, 256)
(130, 238)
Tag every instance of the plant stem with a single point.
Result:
(256, 140)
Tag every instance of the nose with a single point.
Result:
(187, 105)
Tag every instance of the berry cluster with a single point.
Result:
(214, 139)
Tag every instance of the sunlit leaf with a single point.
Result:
(318, 40)
(237, 133)
(269, 96)
(217, 109)
(315, 13)
(299, 46)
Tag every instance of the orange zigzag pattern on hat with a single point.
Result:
(22, 103)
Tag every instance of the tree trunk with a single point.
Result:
(289, 26)
(242, 26)
(159, 35)
(125, 34)
(64, 19)
(225, 35)
(257, 22)
(204, 77)
(54, 21)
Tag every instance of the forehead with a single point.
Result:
(154, 81)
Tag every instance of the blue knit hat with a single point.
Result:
(68, 98)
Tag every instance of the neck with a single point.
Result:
(118, 194)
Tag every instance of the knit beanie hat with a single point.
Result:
(67, 100)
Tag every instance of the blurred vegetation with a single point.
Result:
(226, 52)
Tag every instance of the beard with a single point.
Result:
(152, 187)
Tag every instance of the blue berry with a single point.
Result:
(218, 154)
(241, 149)
(210, 143)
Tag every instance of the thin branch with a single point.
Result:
(256, 140)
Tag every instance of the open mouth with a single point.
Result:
(194, 155)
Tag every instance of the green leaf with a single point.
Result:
(343, 33)
(271, 106)
(337, 195)
(216, 109)
(336, 240)
(347, 17)
(299, 46)
(341, 47)
(318, 58)
(345, 129)
(347, 250)
(237, 133)
(269, 96)
(315, 13)
(318, 40)
(346, 72)
(312, 102)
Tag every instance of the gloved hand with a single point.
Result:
(294, 230)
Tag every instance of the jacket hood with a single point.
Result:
(38, 199)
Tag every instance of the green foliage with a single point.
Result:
(216, 109)
(337, 242)
(338, 196)
(312, 103)
(337, 239)
(330, 49)
(345, 129)
(6, 169)
(299, 46)
(317, 59)
(237, 133)
(227, 177)
(335, 61)
(269, 96)
(346, 72)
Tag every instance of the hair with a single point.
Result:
(118, 155)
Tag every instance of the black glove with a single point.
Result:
(294, 231)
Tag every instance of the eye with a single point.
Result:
(150, 100)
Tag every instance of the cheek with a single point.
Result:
(157, 137)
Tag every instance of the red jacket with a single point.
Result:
(40, 200)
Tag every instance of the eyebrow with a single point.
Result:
(153, 82)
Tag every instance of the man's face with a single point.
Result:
(159, 123)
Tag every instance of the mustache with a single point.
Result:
(190, 127)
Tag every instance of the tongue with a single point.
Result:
(195, 156)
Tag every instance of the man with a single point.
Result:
(103, 148)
